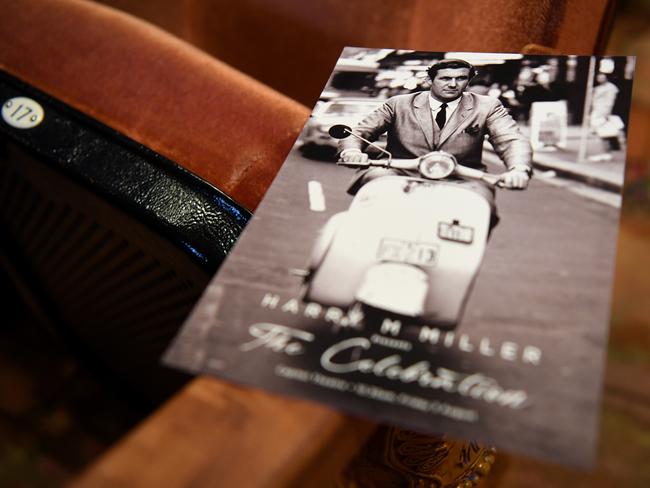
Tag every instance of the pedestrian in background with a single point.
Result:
(606, 125)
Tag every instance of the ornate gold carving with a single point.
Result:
(399, 458)
(414, 453)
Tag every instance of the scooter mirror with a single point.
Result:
(340, 131)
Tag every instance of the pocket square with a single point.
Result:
(472, 129)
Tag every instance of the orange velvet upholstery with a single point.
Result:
(211, 119)
(291, 45)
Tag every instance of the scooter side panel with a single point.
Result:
(350, 254)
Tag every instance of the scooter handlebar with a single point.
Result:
(477, 174)
(413, 164)
(408, 164)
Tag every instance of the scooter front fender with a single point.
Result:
(395, 287)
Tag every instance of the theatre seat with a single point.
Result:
(159, 149)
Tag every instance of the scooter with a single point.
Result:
(409, 246)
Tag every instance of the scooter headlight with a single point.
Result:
(437, 165)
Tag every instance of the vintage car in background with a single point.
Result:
(315, 138)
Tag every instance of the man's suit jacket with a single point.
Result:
(412, 131)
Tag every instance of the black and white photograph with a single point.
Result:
(437, 250)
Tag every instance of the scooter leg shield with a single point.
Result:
(451, 279)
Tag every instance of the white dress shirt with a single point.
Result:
(435, 107)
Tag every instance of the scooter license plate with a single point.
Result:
(455, 232)
(416, 253)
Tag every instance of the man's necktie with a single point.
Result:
(441, 118)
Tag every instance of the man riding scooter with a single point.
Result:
(413, 239)
(444, 119)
